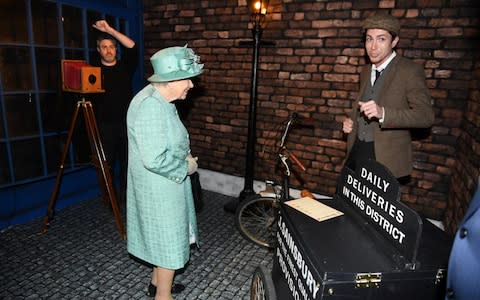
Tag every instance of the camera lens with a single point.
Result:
(92, 79)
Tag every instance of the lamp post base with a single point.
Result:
(232, 205)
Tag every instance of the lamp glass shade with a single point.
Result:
(258, 7)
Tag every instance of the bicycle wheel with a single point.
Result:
(262, 287)
(256, 219)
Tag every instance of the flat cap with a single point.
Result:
(382, 21)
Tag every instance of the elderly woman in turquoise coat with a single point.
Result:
(161, 221)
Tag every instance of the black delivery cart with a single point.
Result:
(378, 249)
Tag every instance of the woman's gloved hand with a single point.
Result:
(192, 164)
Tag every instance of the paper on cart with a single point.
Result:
(314, 208)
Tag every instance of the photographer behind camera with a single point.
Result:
(111, 106)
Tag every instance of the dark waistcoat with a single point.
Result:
(366, 127)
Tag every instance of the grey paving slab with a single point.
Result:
(83, 257)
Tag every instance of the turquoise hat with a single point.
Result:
(175, 63)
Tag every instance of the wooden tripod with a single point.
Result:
(98, 160)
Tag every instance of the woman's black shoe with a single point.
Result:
(176, 288)
(152, 290)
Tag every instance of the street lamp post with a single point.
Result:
(258, 10)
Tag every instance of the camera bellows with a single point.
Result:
(80, 77)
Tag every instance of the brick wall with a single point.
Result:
(313, 70)
(466, 171)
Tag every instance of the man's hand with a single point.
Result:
(371, 109)
(102, 25)
(347, 125)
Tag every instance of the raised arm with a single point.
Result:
(103, 26)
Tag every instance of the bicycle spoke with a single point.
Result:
(257, 220)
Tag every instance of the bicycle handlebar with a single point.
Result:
(291, 120)
(297, 162)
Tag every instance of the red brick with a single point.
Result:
(450, 32)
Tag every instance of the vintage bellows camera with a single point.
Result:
(80, 77)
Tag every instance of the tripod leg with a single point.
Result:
(58, 180)
(105, 180)
(97, 154)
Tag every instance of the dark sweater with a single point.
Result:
(111, 106)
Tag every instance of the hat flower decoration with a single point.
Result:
(191, 62)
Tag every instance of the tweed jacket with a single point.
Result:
(464, 264)
(407, 104)
(161, 221)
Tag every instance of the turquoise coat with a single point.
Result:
(464, 264)
(161, 221)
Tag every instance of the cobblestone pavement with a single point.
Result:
(83, 257)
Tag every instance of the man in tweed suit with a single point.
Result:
(393, 99)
